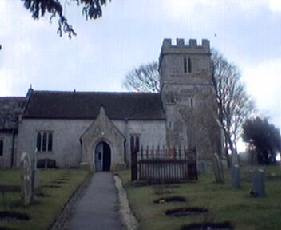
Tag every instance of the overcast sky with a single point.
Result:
(130, 33)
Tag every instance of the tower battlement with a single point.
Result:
(181, 44)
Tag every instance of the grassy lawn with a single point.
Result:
(223, 202)
(48, 205)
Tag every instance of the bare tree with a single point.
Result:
(234, 104)
(145, 78)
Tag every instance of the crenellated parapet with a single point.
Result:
(182, 46)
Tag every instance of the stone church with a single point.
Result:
(96, 128)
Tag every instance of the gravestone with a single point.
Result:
(235, 176)
(26, 177)
(258, 183)
(203, 167)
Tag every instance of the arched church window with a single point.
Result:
(44, 142)
(189, 65)
(39, 142)
(50, 142)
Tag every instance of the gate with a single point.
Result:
(163, 165)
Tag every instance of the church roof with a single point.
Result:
(86, 105)
(10, 108)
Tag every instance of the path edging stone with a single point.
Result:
(128, 219)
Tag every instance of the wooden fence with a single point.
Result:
(162, 165)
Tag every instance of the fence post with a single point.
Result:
(191, 162)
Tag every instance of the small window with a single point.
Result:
(187, 65)
(44, 141)
(1, 147)
(170, 124)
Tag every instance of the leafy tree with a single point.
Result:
(234, 104)
(264, 138)
(92, 9)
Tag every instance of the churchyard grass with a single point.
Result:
(56, 187)
(224, 202)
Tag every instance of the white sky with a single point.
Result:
(130, 33)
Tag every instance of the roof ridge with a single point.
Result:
(93, 92)
(13, 97)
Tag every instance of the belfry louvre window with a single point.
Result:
(44, 141)
(187, 65)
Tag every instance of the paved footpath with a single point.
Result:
(98, 207)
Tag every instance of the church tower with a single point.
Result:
(188, 96)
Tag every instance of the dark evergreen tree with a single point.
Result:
(91, 9)
(264, 138)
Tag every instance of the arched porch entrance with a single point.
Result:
(102, 157)
(102, 144)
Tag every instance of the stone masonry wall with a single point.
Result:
(67, 148)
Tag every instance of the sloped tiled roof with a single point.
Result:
(10, 108)
(86, 105)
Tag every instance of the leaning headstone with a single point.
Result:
(26, 175)
(258, 183)
(235, 176)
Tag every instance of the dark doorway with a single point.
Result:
(102, 157)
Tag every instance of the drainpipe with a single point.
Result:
(126, 152)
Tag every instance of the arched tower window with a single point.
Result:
(189, 65)
(185, 64)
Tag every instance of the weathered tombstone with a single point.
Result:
(235, 176)
(26, 178)
(258, 183)
(218, 169)
(203, 167)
